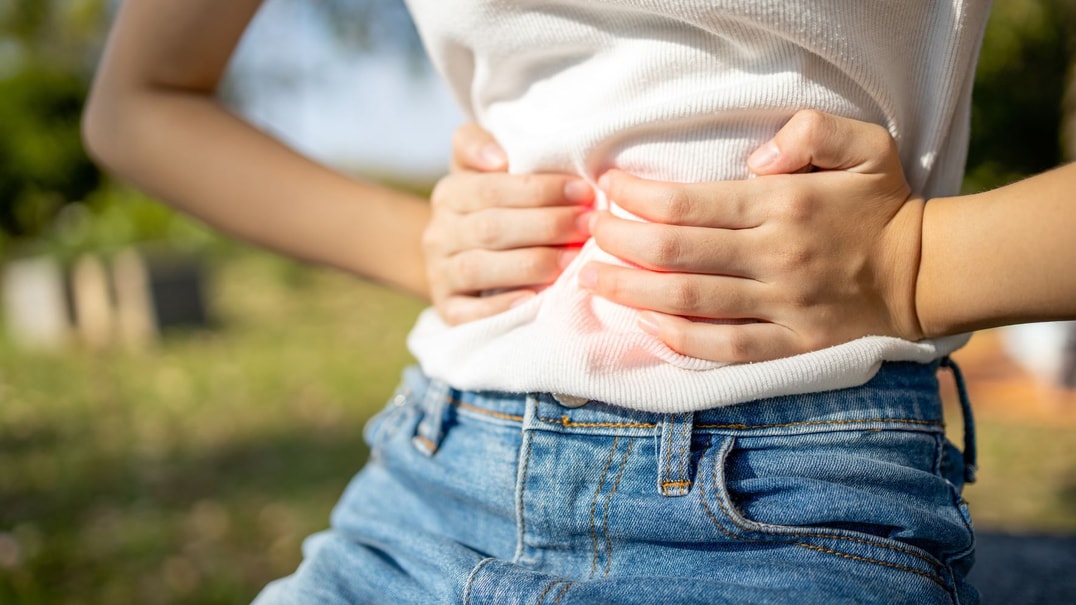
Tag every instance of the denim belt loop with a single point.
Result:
(432, 427)
(674, 455)
(971, 466)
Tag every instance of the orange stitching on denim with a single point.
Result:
(478, 410)
(706, 507)
(675, 484)
(562, 592)
(425, 441)
(685, 445)
(666, 437)
(908, 552)
(594, 507)
(937, 580)
(567, 422)
(735, 521)
(608, 502)
(470, 579)
(819, 422)
(520, 512)
(548, 587)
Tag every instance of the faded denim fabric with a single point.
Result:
(849, 496)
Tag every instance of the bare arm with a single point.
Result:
(153, 119)
(1001, 257)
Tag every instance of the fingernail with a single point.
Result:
(592, 222)
(493, 156)
(522, 298)
(585, 222)
(648, 322)
(604, 181)
(764, 156)
(578, 191)
(567, 256)
(588, 277)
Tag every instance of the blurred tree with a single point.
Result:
(46, 53)
(1017, 108)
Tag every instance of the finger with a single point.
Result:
(726, 204)
(828, 142)
(673, 248)
(727, 343)
(707, 296)
(469, 191)
(507, 228)
(459, 309)
(475, 149)
(478, 270)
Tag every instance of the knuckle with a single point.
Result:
(795, 258)
(466, 272)
(795, 207)
(880, 139)
(665, 248)
(738, 346)
(810, 122)
(684, 296)
(675, 205)
(485, 229)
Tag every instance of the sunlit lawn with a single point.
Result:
(190, 473)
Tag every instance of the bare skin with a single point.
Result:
(153, 119)
(822, 258)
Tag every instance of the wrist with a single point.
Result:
(902, 256)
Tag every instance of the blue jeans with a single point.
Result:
(850, 496)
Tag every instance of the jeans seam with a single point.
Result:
(594, 508)
(520, 507)
(563, 591)
(470, 579)
(608, 503)
(791, 537)
(567, 422)
(756, 526)
(685, 448)
(740, 426)
(548, 587)
(478, 410)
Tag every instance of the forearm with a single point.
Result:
(152, 117)
(186, 149)
(1001, 257)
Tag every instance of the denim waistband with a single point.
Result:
(900, 393)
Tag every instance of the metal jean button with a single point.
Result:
(570, 401)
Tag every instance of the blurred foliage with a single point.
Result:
(46, 53)
(1029, 48)
(42, 163)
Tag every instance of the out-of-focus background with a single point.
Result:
(177, 410)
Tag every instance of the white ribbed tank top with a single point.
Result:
(684, 91)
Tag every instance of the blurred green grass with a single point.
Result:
(191, 473)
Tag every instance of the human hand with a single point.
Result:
(789, 263)
(495, 233)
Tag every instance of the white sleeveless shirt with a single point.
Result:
(684, 91)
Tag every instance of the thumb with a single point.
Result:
(475, 149)
(816, 140)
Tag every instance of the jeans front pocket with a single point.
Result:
(380, 427)
(869, 496)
